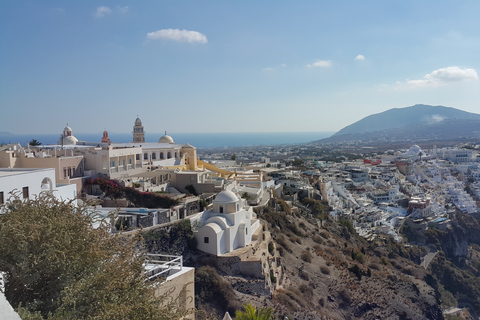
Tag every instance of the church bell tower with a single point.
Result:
(138, 133)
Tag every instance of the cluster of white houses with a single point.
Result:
(60, 170)
(162, 166)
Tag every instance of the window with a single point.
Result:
(2, 201)
(161, 155)
(154, 156)
(206, 240)
(220, 209)
(246, 230)
(145, 156)
(25, 192)
(130, 161)
(137, 157)
(169, 155)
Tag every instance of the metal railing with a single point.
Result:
(160, 265)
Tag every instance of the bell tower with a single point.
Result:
(138, 133)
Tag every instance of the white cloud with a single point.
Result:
(267, 69)
(359, 57)
(122, 10)
(283, 65)
(444, 76)
(102, 11)
(320, 64)
(178, 35)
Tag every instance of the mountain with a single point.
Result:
(418, 122)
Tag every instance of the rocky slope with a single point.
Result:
(327, 272)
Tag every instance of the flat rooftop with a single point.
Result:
(5, 172)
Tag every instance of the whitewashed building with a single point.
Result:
(28, 183)
(229, 225)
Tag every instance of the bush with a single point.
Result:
(360, 257)
(306, 256)
(270, 247)
(304, 275)
(325, 270)
(210, 287)
(317, 239)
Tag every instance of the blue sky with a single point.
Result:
(231, 66)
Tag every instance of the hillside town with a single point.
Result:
(220, 192)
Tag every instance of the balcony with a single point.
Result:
(159, 265)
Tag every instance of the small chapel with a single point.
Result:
(229, 225)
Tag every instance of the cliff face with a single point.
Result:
(329, 272)
(455, 241)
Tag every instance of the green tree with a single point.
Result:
(254, 313)
(34, 143)
(58, 266)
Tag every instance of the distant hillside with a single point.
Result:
(399, 117)
(418, 122)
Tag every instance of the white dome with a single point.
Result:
(67, 129)
(226, 196)
(166, 139)
(415, 148)
(68, 140)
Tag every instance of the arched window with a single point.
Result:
(145, 156)
(169, 155)
(47, 184)
(180, 154)
(154, 156)
(220, 209)
(161, 155)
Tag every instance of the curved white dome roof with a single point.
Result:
(68, 140)
(166, 139)
(67, 129)
(415, 148)
(226, 196)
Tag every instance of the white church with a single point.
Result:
(229, 225)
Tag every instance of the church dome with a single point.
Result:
(138, 122)
(67, 140)
(226, 196)
(187, 146)
(166, 139)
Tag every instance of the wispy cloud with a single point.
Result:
(122, 10)
(281, 65)
(444, 76)
(178, 35)
(360, 57)
(102, 11)
(320, 64)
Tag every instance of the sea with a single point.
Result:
(199, 140)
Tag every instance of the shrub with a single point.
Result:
(325, 270)
(306, 256)
(304, 275)
(209, 286)
(317, 239)
(360, 257)
(270, 247)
